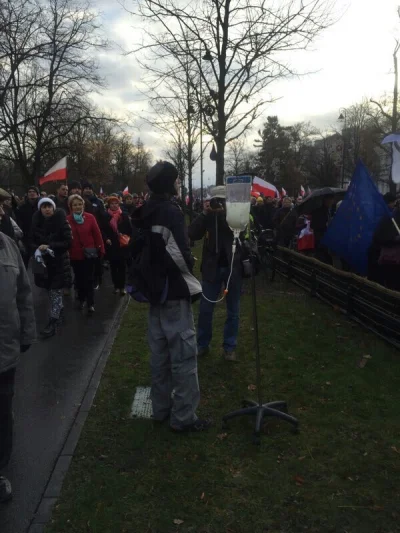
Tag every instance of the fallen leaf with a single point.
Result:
(202, 496)
(395, 449)
(222, 436)
(302, 458)
(367, 356)
(178, 522)
(328, 382)
(251, 387)
(362, 362)
(299, 480)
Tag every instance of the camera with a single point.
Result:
(216, 203)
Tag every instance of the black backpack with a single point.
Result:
(147, 275)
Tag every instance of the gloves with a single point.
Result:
(24, 348)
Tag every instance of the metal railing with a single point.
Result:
(371, 305)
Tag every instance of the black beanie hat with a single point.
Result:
(74, 185)
(161, 178)
(34, 188)
(87, 185)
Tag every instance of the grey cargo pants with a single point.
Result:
(172, 342)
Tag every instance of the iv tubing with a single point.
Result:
(229, 278)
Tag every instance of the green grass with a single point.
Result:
(341, 473)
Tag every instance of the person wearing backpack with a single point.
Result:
(161, 272)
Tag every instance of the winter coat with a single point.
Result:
(17, 325)
(6, 226)
(161, 224)
(320, 219)
(62, 203)
(115, 251)
(86, 235)
(94, 205)
(56, 232)
(24, 217)
(217, 246)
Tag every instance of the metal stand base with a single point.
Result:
(251, 408)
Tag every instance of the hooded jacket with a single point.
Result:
(56, 233)
(18, 326)
(162, 224)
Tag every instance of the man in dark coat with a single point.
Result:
(216, 266)
(24, 216)
(61, 199)
(171, 333)
(320, 219)
(18, 332)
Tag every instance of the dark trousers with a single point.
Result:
(118, 272)
(84, 280)
(98, 271)
(7, 380)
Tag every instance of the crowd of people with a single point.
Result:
(69, 238)
(304, 232)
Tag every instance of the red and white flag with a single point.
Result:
(308, 190)
(262, 186)
(125, 191)
(302, 191)
(57, 173)
(283, 192)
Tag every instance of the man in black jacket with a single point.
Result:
(61, 199)
(24, 216)
(163, 273)
(216, 269)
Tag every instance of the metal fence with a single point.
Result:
(369, 304)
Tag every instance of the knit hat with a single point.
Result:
(87, 185)
(34, 188)
(46, 201)
(74, 185)
(161, 178)
(113, 197)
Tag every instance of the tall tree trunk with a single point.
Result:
(392, 185)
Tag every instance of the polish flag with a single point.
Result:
(302, 191)
(56, 173)
(283, 192)
(262, 186)
(125, 191)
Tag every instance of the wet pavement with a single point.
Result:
(51, 382)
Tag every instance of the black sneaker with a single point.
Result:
(198, 425)
(5, 490)
(50, 329)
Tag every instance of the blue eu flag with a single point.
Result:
(351, 231)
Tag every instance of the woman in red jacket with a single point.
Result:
(87, 245)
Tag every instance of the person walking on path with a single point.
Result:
(87, 246)
(117, 231)
(51, 239)
(24, 217)
(166, 264)
(18, 332)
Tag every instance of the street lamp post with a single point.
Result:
(343, 116)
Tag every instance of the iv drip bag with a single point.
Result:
(238, 190)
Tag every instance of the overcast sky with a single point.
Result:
(351, 60)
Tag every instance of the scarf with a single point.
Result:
(115, 216)
(78, 217)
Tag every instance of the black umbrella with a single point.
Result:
(316, 198)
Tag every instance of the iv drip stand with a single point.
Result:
(277, 409)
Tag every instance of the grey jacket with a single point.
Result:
(17, 317)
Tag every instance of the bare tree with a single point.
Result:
(244, 43)
(47, 92)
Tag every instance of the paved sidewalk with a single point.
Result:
(52, 381)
